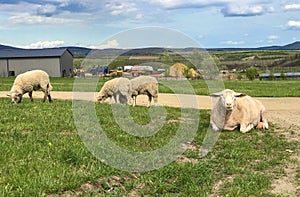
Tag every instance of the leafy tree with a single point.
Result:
(186, 73)
(77, 63)
(283, 75)
(166, 58)
(205, 64)
(271, 77)
(252, 73)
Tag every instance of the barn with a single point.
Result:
(57, 62)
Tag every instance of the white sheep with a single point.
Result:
(117, 88)
(237, 109)
(147, 85)
(28, 82)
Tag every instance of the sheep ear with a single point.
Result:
(217, 94)
(239, 94)
(9, 94)
(110, 93)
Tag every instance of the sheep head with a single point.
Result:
(15, 97)
(227, 98)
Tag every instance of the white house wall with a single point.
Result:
(3, 68)
(50, 65)
(66, 64)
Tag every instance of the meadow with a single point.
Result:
(284, 88)
(42, 153)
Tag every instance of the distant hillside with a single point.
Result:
(292, 46)
(83, 52)
(78, 51)
(4, 47)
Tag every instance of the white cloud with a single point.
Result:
(46, 9)
(233, 42)
(293, 24)
(292, 7)
(27, 19)
(139, 16)
(229, 8)
(62, 3)
(273, 37)
(118, 8)
(107, 45)
(246, 10)
(172, 4)
(43, 44)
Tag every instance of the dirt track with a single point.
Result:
(282, 111)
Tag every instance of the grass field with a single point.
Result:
(287, 88)
(41, 153)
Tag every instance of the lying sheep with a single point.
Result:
(28, 82)
(117, 88)
(236, 109)
(144, 85)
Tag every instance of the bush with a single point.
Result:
(252, 73)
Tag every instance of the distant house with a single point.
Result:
(287, 75)
(56, 62)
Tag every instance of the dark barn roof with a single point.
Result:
(31, 53)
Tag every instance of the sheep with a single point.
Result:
(144, 85)
(117, 88)
(28, 82)
(234, 109)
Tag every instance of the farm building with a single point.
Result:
(287, 75)
(56, 62)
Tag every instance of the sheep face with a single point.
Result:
(15, 97)
(227, 98)
(101, 98)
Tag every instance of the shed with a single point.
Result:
(57, 62)
(287, 75)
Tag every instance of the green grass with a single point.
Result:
(288, 88)
(41, 153)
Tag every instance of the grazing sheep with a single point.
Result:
(28, 82)
(144, 85)
(117, 88)
(237, 109)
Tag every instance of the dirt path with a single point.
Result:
(283, 113)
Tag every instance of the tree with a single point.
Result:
(271, 76)
(205, 64)
(186, 73)
(166, 58)
(252, 73)
(283, 75)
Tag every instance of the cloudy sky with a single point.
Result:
(89, 23)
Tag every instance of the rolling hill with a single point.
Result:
(83, 52)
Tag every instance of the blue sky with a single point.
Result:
(89, 23)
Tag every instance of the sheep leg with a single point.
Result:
(30, 96)
(49, 98)
(149, 100)
(113, 99)
(246, 127)
(45, 95)
(155, 98)
(134, 101)
(117, 98)
(264, 120)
